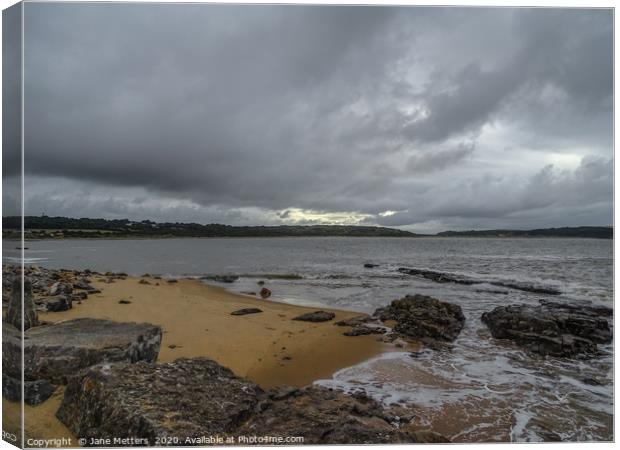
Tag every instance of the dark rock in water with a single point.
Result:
(323, 416)
(244, 311)
(189, 399)
(35, 392)
(83, 284)
(222, 278)
(123, 301)
(527, 287)
(55, 352)
(265, 293)
(185, 399)
(316, 316)
(439, 277)
(370, 265)
(551, 328)
(579, 307)
(16, 310)
(59, 288)
(56, 303)
(444, 277)
(260, 282)
(419, 316)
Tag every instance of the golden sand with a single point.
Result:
(269, 348)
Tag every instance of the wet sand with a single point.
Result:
(269, 348)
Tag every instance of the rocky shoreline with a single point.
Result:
(112, 378)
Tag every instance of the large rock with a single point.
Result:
(420, 316)
(185, 399)
(59, 288)
(55, 352)
(189, 400)
(17, 309)
(323, 416)
(552, 328)
(55, 304)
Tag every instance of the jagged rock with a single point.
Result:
(56, 303)
(188, 398)
(16, 309)
(35, 392)
(551, 328)
(420, 316)
(323, 416)
(370, 265)
(244, 311)
(265, 293)
(316, 316)
(55, 352)
(76, 296)
(83, 284)
(59, 288)
(143, 282)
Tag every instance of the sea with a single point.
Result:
(478, 390)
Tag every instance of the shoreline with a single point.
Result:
(268, 348)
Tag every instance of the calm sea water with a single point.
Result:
(481, 390)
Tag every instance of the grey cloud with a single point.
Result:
(330, 109)
(433, 161)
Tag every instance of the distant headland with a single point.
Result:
(45, 227)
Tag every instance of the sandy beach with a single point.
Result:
(269, 348)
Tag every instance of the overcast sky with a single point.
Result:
(426, 119)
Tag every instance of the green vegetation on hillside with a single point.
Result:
(44, 227)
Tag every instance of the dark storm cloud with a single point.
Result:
(195, 110)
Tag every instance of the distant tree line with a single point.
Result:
(64, 227)
(581, 232)
(69, 227)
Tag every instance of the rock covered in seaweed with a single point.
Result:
(552, 328)
(419, 316)
(324, 416)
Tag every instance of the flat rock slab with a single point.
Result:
(189, 399)
(245, 311)
(185, 399)
(420, 316)
(552, 328)
(55, 352)
(316, 316)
